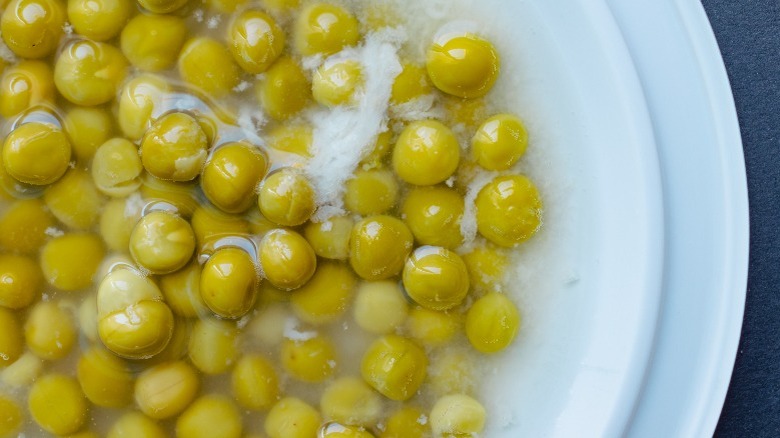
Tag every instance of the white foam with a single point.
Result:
(344, 135)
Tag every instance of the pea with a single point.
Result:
(21, 281)
(174, 148)
(499, 142)
(457, 414)
(162, 242)
(338, 430)
(295, 138)
(11, 341)
(69, 262)
(309, 360)
(99, 20)
(254, 383)
(292, 417)
(182, 291)
(326, 296)
(32, 28)
(228, 283)
(369, 192)
(24, 370)
(36, 153)
(137, 101)
(133, 320)
(117, 168)
(152, 42)
(181, 195)
(406, 422)
(210, 223)
(287, 260)
(410, 84)
(258, 224)
(330, 238)
(11, 416)
(208, 65)
(394, 366)
(135, 424)
(379, 152)
(213, 346)
(284, 91)
(231, 176)
(431, 327)
(25, 223)
(87, 316)
(286, 197)
(210, 416)
(337, 83)
(117, 221)
(24, 85)
(426, 153)
(89, 73)
(105, 379)
(325, 29)
(165, 390)
(88, 128)
(256, 41)
(75, 200)
(50, 331)
(162, 6)
(380, 306)
(436, 278)
(486, 264)
(464, 66)
(267, 325)
(492, 323)
(57, 404)
(379, 246)
(509, 210)
(349, 400)
(434, 216)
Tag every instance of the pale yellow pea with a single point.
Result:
(291, 417)
(380, 306)
(213, 345)
(75, 200)
(254, 383)
(69, 262)
(57, 404)
(50, 331)
(105, 379)
(165, 390)
(210, 416)
(326, 296)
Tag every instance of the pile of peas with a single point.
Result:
(143, 253)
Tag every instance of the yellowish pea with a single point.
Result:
(499, 142)
(21, 281)
(286, 197)
(36, 153)
(406, 422)
(231, 176)
(57, 404)
(117, 221)
(135, 424)
(174, 148)
(287, 259)
(75, 200)
(292, 417)
(208, 65)
(88, 128)
(436, 278)
(210, 416)
(50, 331)
(11, 416)
(254, 383)
(11, 338)
(369, 192)
(326, 296)
(465, 66)
(256, 41)
(394, 366)
(182, 291)
(337, 83)
(117, 168)
(309, 360)
(434, 216)
(325, 29)
(105, 379)
(32, 28)
(213, 345)
(24, 85)
(379, 246)
(431, 327)
(284, 91)
(229, 282)
(492, 323)
(330, 238)
(350, 401)
(137, 102)
(89, 73)
(165, 390)
(162, 242)
(152, 42)
(457, 415)
(426, 153)
(509, 210)
(99, 20)
(69, 262)
(380, 306)
(25, 224)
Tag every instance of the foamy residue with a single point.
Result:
(342, 136)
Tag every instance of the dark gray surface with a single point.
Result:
(748, 32)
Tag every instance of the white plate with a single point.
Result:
(650, 219)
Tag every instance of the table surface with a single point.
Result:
(748, 32)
